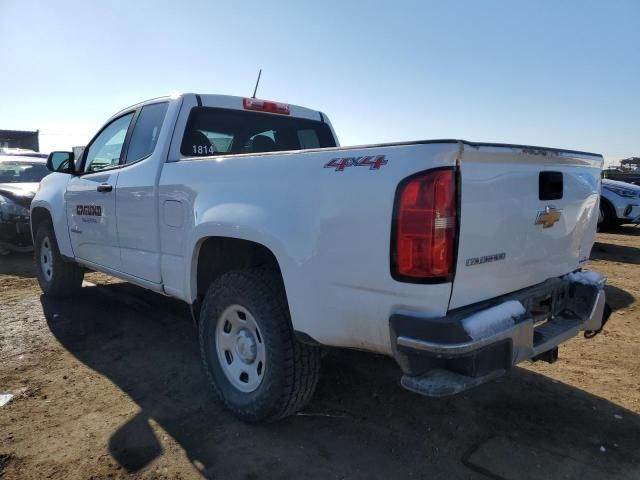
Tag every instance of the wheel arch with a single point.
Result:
(604, 200)
(39, 215)
(214, 256)
(608, 204)
(43, 210)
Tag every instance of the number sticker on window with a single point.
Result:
(203, 149)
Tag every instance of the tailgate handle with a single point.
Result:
(550, 186)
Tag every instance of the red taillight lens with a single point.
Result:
(265, 106)
(426, 227)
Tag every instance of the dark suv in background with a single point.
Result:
(20, 175)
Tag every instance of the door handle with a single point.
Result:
(105, 187)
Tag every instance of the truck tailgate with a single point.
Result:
(526, 214)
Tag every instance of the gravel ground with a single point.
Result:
(109, 385)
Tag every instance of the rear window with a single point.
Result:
(212, 131)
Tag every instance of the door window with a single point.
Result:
(106, 149)
(145, 131)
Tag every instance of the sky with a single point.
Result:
(551, 73)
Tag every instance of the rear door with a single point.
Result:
(137, 198)
(526, 215)
(90, 197)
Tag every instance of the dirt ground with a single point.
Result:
(109, 385)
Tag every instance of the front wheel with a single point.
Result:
(56, 276)
(606, 216)
(257, 367)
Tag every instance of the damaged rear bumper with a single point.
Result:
(475, 344)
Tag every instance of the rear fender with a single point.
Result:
(249, 223)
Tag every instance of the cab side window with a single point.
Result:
(106, 149)
(146, 131)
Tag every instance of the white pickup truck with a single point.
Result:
(458, 259)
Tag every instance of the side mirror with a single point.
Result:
(62, 162)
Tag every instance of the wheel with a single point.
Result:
(257, 367)
(606, 216)
(57, 277)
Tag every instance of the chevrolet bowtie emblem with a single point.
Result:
(548, 217)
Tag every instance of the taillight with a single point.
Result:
(425, 227)
(265, 106)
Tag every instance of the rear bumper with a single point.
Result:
(475, 344)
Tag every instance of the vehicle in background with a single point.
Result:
(619, 203)
(626, 175)
(20, 175)
(21, 152)
(459, 259)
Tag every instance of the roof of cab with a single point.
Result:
(236, 103)
(223, 101)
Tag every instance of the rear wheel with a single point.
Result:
(257, 367)
(57, 277)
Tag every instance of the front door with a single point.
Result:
(91, 197)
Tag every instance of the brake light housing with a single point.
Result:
(265, 106)
(425, 227)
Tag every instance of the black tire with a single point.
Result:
(291, 368)
(63, 278)
(607, 217)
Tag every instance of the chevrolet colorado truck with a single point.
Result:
(459, 259)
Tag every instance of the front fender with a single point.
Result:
(50, 196)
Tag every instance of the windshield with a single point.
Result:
(215, 130)
(22, 172)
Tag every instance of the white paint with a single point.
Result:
(5, 398)
(329, 230)
(93, 238)
(499, 206)
(492, 320)
(586, 278)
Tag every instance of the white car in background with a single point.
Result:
(619, 203)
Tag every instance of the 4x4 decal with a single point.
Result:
(373, 162)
